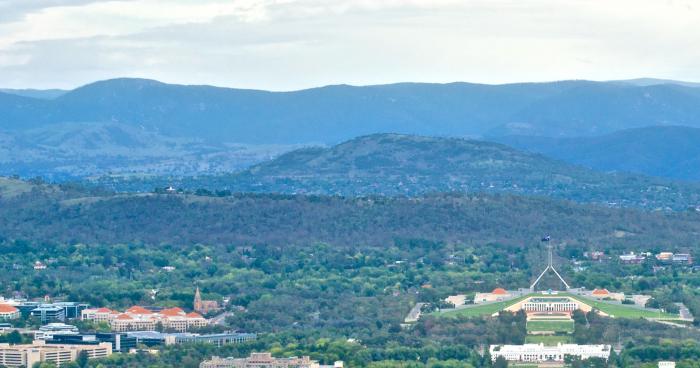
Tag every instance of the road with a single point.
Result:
(684, 312)
(414, 314)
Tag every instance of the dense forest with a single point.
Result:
(351, 267)
(67, 215)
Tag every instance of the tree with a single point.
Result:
(82, 359)
(500, 362)
(14, 338)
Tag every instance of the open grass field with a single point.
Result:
(555, 326)
(550, 340)
(625, 311)
(615, 310)
(479, 309)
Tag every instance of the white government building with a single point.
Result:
(543, 353)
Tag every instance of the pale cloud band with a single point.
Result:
(292, 44)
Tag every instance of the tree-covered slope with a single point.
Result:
(671, 152)
(392, 164)
(46, 213)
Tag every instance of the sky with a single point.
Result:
(296, 44)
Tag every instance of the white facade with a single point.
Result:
(543, 353)
(550, 306)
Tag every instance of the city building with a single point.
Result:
(261, 360)
(601, 294)
(51, 312)
(457, 300)
(536, 306)
(632, 258)
(120, 342)
(8, 312)
(595, 255)
(48, 313)
(539, 353)
(138, 318)
(204, 306)
(29, 354)
(56, 328)
(667, 364)
(496, 295)
(154, 338)
(38, 265)
(664, 256)
(682, 258)
(98, 315)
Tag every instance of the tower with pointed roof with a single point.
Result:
(197, 300)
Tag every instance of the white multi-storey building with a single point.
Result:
(543, 353)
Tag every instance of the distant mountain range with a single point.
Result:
(46, 94)
(72, 151)
(336, 113)
(407, 165)
(140, 126)
(671, 152)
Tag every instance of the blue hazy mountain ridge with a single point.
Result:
(47, 94)
(333, 114)
(664, 151)
(395, 164)
(655, 81)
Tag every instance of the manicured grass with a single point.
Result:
(555, 326)
(548, 339)
(480, 309)
(616, 310)
(624, 311)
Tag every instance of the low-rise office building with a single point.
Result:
(154, 338)
(538, 353)
(260, 360)
(120, 342)
(28, 355)
(56, 328)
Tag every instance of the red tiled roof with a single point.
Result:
(104, 310)
(600, 292)
(138, 310)
(172, 312)
(499, 291)
(124, 316)
(194, 315)
(4, 308)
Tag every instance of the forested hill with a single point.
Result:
(392, 164)
(335, 113)
(43, 213)
(664, 151)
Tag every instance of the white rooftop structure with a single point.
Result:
(544, 353)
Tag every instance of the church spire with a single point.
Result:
(197, 300)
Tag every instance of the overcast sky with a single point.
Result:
(294, 44)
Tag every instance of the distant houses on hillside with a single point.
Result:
(664, 257)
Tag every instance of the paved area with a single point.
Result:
(685, 312)
(414, 314)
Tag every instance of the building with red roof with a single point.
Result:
(138, 318)
(8, 312)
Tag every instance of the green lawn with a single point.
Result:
(616, 310)
(480, 310)
(555, 326)
(548, 339)
(624, 311)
